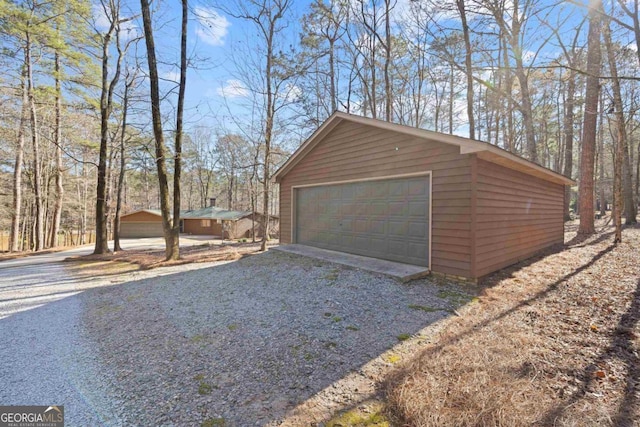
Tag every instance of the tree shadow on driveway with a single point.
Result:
(247, 341)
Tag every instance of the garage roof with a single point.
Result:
(150, 211)
(483, 150)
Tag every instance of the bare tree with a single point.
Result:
(268, 18)
(468, 66)
(17, 171)
(170, 226)
(111, 10)
(130, 82)
(589, 130)
(160, 149)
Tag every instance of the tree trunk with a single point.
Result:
(35, 139)
(165, 207)
(468, 68)
(17, 170)
(332, 75)
(594, 60)
(101, 246)
(527, 111)
(600, 141)
(57, 210)
(387, 63)
(268, 130)
(175, 250)
(568, 139)
(622, 166)
(116, 220)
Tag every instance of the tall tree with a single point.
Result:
(268, 18)
(177, 169)
(572, 56)
(322, 29)
(130, 81)
(621, 152)
(112, 12)
(170, 236)
(35, 142)
(70, 31)
(462, 10)
(17, 170)
(589, 129)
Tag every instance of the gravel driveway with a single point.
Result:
(46, 357)
(247, 341)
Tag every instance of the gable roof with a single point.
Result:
(155, 212)
(213, 212)
(484, 150)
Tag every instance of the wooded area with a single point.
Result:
(90, 129)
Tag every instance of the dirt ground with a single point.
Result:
(552, 341)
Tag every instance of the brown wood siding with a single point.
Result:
(517, 215)
(141, 217)
(194, 226)
(353, 151)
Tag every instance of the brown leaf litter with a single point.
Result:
(553, 341)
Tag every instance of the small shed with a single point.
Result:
(457, 206)
(141, 223)
(214, 220)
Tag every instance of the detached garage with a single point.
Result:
(142, 223)
(457, 206)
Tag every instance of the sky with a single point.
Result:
(217, 43)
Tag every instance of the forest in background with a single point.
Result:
(554, 82)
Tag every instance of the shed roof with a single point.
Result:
(484, 150)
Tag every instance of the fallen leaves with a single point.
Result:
(571, 318)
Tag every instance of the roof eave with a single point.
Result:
(504, 158)
(484, 150)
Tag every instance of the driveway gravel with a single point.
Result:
(46, 358)
(246, 342)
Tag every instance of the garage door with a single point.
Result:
(387, 219)
(141, 229)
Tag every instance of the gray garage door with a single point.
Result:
(141, 229)
(387, 219)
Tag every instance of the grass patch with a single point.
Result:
(454, 297)
(332, 276)
(353, 328)
(336, 319)
(204, 388)
(197, 339)
(393, 358)
(232, 327)
(363, 416)
(403, 337)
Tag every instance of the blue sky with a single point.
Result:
(214, 41)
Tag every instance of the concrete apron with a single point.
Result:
(396, 270)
